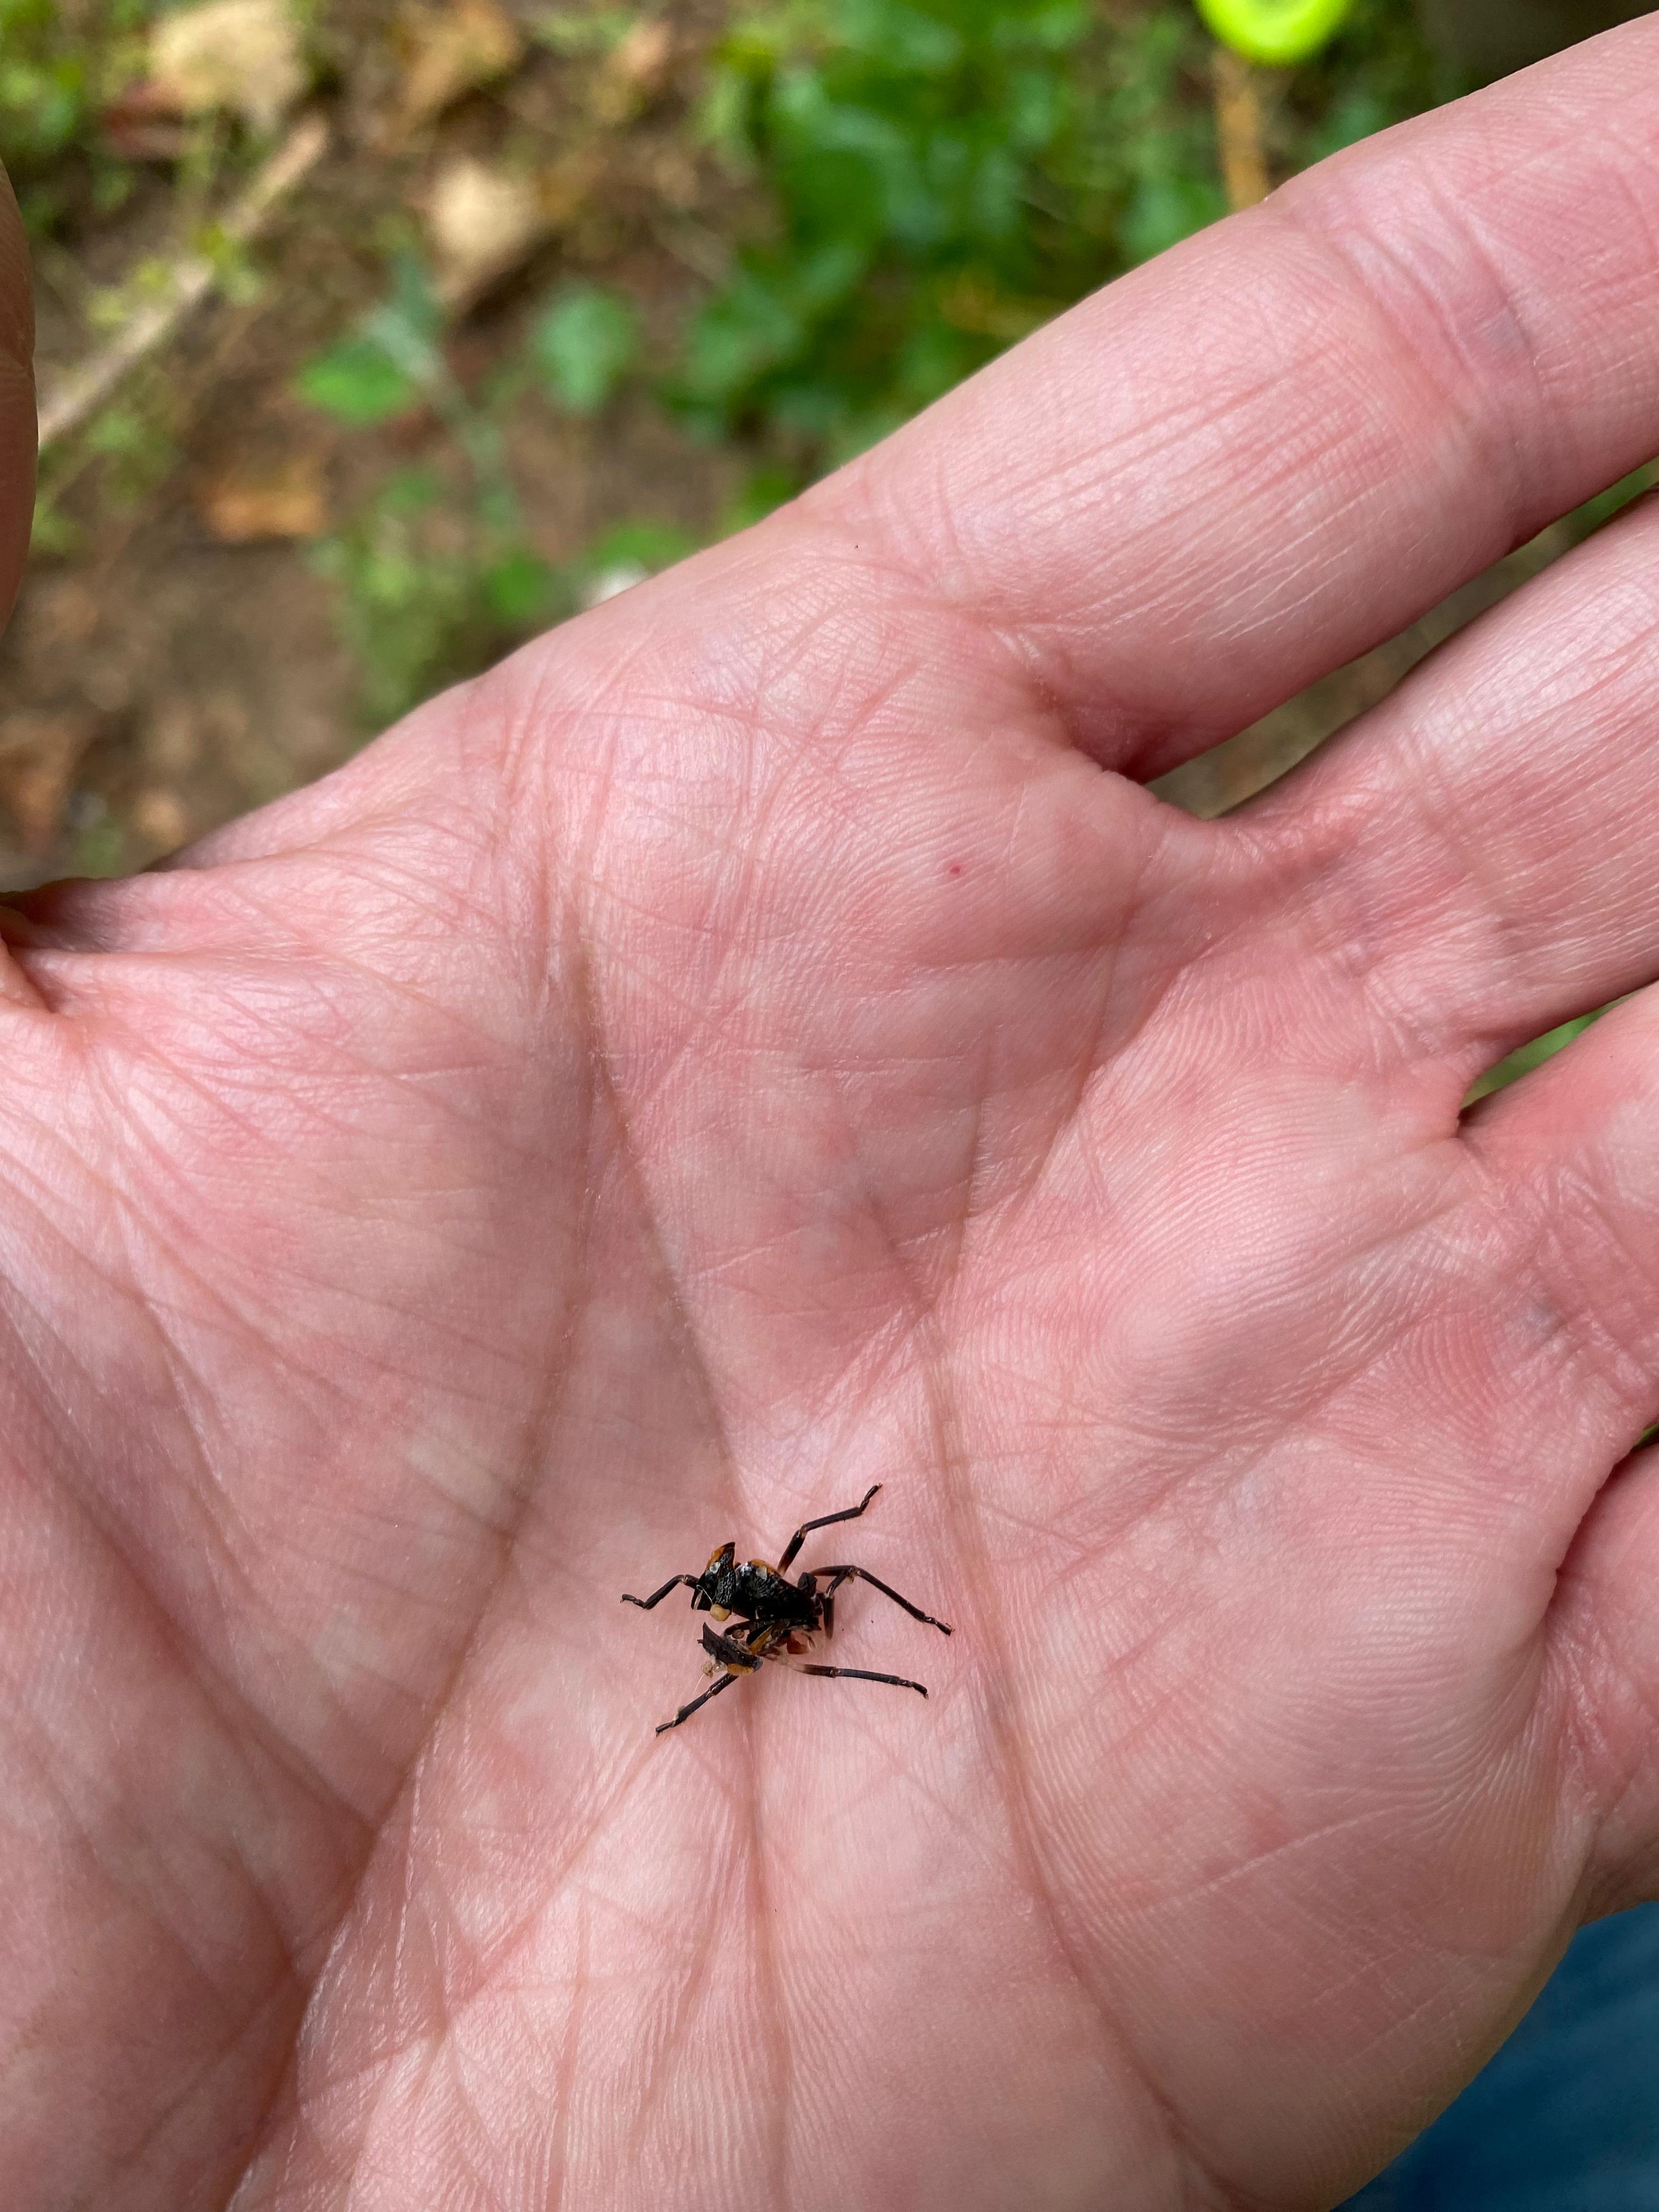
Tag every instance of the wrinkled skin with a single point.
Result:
(763, 1040)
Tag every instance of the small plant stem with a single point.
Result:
(1238, 128)
(67, 403)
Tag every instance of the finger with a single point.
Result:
(16, 399)
(1250, 461)
(1568, 1166)
(1478, 849)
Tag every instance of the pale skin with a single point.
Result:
(763, 1040)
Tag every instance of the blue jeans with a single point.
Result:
(1565, 2119)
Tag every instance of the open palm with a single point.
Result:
(764, 1041)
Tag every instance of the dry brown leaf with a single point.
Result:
(451, 50)
(171, 742)
(641, 57)
(288, 502)
(237, 56)
(482, 222)
(565, 186)
(39, 751)
(64, 613)
(632, 72)
(160, 818)
(141, 127)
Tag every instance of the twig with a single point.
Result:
(694, 247)
(1238, 129)
(70, 399)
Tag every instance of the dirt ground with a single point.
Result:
(178, 661)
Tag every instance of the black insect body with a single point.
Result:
(776, 1619)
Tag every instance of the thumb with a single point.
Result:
(16, 399)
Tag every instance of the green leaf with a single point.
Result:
(1359, 111)
(1165, 210)
(762, 493)
(520, 589)
(390, 362)
(358, 383)
(584, 346)
(626, 555)
(1529, 1056)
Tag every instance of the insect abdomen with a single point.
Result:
(764, 1594)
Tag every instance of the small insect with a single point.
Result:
(776, 1618)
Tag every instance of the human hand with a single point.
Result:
(762, 1042)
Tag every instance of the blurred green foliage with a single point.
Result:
(584, 345)
(1377, 71)
(133, 441)
(60, 62)
(945, 175)
(625, 554)
(358, 382)
(435, 575)
(430, 590)
(391, 363)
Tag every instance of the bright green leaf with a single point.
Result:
(1278, 33)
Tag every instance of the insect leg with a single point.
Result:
(686, 1712)
(827, 1520)
(656, 1597)
(849, 1673)
(839, 1575)
(736, 1650)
